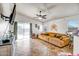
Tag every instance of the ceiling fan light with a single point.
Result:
(39, 18)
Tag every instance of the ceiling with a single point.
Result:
(52, 10)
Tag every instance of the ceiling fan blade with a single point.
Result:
(40, 12)
(38, 15)
(44, 15)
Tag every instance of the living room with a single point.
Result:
(41, 29)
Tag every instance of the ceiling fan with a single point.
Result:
(40, 15)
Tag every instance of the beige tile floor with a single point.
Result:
(41, 48)
(36, 47)
(22, 48)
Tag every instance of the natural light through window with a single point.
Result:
(23, 31)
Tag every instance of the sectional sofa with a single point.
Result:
(57, 39)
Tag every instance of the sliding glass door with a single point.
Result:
(22, 46)
(23, 31)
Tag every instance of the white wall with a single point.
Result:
(22, 18)
(62, 26)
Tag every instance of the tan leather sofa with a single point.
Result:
(56, 39)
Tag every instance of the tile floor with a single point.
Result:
(37, 47)
(41, 48)
(22, 47)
